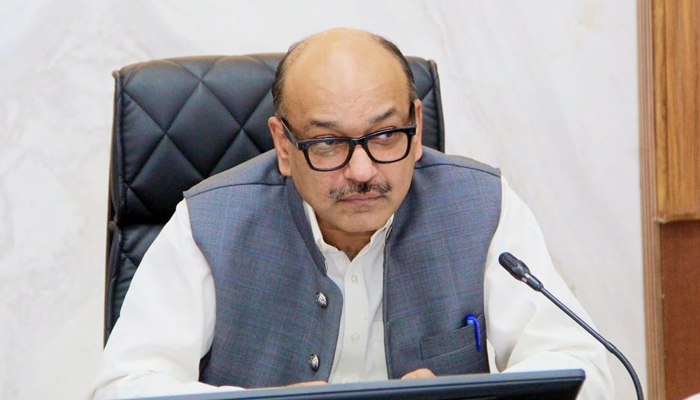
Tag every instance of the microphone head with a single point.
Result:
(519, 270)
(512, 265)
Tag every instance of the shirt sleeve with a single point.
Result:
(166, 323)
(527, 332)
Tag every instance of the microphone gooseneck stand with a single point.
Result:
(521, 272)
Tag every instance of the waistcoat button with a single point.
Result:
(321, 300)
(314, 362)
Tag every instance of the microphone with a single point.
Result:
(521, 272)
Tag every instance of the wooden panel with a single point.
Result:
(653, 310)
(680, 258)
(677, 108)
(669, 104)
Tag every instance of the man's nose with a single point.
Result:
(360, 168)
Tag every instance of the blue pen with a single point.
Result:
(471, 320)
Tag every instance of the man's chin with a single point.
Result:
(360, 225)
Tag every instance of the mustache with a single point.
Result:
(360, 188)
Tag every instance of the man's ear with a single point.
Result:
(281, 145)
(418, 138)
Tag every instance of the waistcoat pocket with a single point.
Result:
(455, 352)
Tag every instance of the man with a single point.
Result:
(350, 253)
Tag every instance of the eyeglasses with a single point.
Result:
(333, 153)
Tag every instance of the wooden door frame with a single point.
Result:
(652, 272)
(668, 34)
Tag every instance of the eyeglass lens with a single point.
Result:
(387, 147)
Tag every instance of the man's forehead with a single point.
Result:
(353, 74)
(372, 119)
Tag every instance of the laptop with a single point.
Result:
(549, 385)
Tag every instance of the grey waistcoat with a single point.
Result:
(250, 225)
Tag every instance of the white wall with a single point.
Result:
(546, 90)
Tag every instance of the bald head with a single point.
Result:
(336, 54)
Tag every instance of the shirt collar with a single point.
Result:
(318, 236)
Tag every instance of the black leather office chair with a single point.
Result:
(181, 120)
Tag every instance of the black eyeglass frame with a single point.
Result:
(303, 145)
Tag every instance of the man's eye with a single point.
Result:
(385, 138)
(328, 147)
(329, 143)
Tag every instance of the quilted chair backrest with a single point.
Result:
(178, 121)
